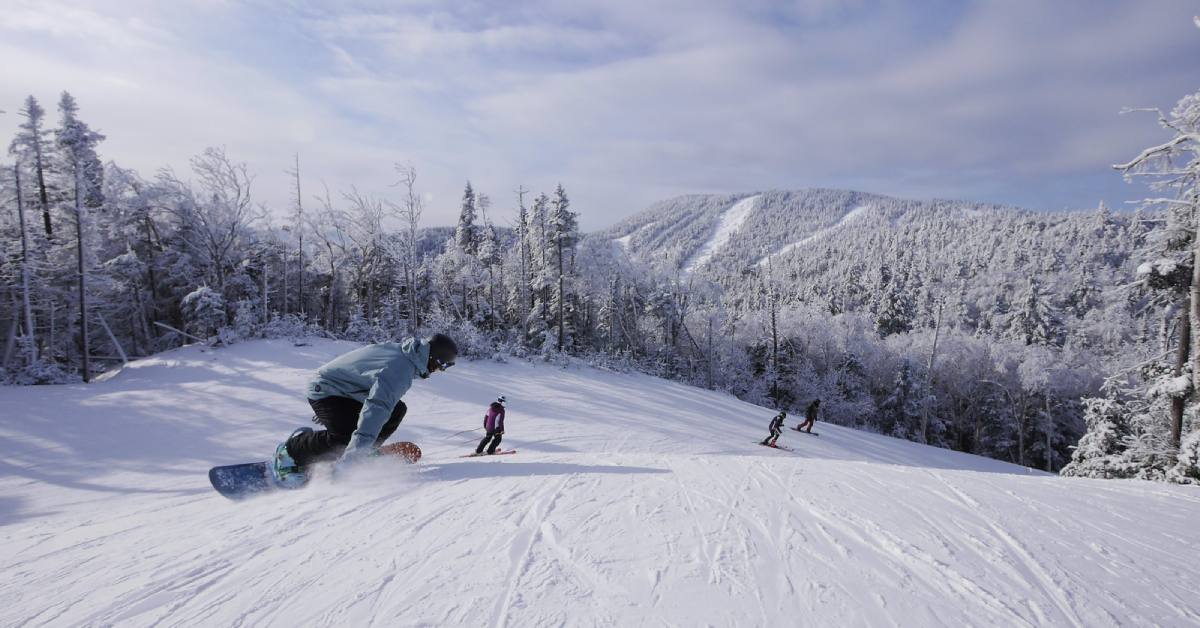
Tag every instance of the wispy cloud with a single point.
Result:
(623, 101)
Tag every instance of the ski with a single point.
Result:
(498, 453)
(775, 446)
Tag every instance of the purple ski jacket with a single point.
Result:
(494, 419)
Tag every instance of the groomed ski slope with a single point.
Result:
(633, 502)
(731, 220)
(851, 216)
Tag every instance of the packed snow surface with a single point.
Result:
(731, 220)
(632, 501)
(851, 216)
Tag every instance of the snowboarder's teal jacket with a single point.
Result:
(378, 376)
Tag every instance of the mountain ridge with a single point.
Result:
(673, 231)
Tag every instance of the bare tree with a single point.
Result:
(217, 214)
(27, 309)
(366, 237)
(330, 228)
(298, 225)
(409, 211)
(937, 332)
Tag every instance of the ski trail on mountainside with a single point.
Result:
(731, 220)
(852, 216)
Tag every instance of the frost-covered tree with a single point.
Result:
(76, 143)
(1099, 452)
(409, 211)
(466, 234)
(214, 215)
(204, 311)
(522, 293)
(29, 146)
(564, 233)
(895, 310)
(1034, 321)
(1173, 167)
(901, 410)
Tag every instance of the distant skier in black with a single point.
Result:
(493, 422)
(810, 416)
(776, 429)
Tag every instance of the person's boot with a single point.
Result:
(284, 470)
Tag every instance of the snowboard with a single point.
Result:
(239, 481)
(776, 446)
(804, 431)
(498, 453)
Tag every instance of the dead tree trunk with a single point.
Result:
(1181, 360)
(937, 330)
(27, 309)
(83, 310)
(1194, 316)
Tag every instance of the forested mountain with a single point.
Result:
(897, 260)
(841, 295)
(982, 328)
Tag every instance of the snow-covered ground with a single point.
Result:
(851, 216)
(633, 501)
(731, 220)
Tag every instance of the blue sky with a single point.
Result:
(624, 102)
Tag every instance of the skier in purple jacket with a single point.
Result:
(493, 422)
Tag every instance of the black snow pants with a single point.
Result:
(770, 440)
(492, 435)
(339, 416)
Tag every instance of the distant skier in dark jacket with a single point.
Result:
(493, 422)
(810, 416)
(776, 429)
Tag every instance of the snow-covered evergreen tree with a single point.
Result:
(30, 148)
(204, 311)
(466, 235)
(1034, 321)
(901, 410)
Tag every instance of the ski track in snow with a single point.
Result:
(731, 220)
(634, 501)
(853, 215)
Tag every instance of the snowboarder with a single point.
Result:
(493, 422)
(776, 429)
(356, 398)
(810, 416)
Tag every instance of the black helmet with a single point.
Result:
(442, 350)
